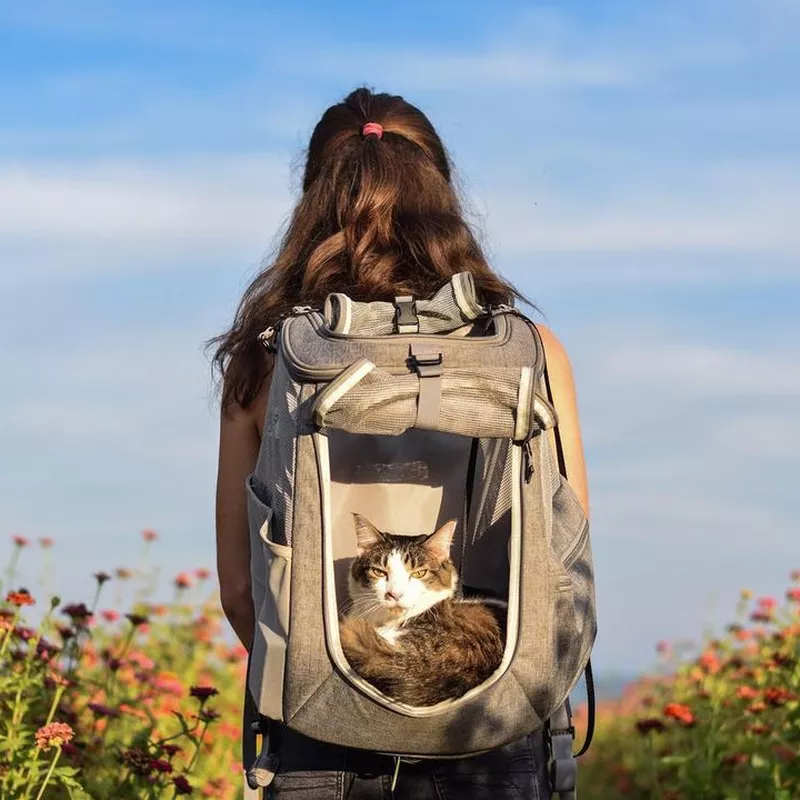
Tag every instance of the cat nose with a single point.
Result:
(393, 594)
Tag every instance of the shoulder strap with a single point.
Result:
(562, 468)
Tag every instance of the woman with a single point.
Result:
(378, 217)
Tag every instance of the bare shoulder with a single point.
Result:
(562, 387)
(251, 416)
(558, 362)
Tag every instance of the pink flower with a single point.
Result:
(141, 660)
(793, 594)
(149, 535)
(20, 541)
(109, 615)
(183, 581)
(767, 603)
(202, 574)
(45, 542)
(56, 734)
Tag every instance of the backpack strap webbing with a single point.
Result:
(259, 768)
(560, 734)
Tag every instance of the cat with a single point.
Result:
(406, 631)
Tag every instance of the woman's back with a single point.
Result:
(378, 218)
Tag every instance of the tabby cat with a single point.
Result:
(406, 631)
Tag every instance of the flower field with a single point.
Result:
(722, 725)
(97, 703)
(128, 698)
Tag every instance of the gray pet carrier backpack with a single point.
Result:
(412, 413)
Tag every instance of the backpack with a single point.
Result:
(411, 413)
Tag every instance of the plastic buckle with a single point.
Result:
(426, 362)
(405, 317)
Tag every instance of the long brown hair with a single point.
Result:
(378, 217)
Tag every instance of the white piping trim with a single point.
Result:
(330, 606)
(523, 421)
(338, 387)
(347, 314)
(544, 413)
(463, 289)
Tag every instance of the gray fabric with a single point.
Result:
(478, 404)
(480, 394)
(313, 354)
(564, 766)
(453, 306)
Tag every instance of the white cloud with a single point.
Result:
(702, 370)
(220, 198)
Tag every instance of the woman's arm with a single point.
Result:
(239, 442)
(562, 387)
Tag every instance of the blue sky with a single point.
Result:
(632, 167)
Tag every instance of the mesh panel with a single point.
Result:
(473, 405)
(275, 468)
(484, 563)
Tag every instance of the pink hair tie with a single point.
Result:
(372, 127)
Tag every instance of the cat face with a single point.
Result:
(400, 576)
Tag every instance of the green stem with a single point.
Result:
(197, 748)
(49, 773)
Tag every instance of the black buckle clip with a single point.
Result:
(427, 363)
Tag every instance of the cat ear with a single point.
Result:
(438, 544)
(366, 534)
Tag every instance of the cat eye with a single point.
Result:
(420, 573)
(376, 572)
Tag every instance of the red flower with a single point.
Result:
(172, 749)
(767, 603)
(746, 693)
(759, 729)
(647, 725)
(101, 577)
(45, 542)
(103, 711)
(785, 754)
(20, 541)
(776, 696)
(77, 612)
(109, 615)
(757, 707)
(710, 661)
(182, 786)
(183, 580)
(793, 594)
(202, 574)
(149, 535)
(203, 692)
(21, 598)
(160, 765)
(679, 712)
(761, 616)
(734, 759)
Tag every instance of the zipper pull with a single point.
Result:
(527, 457)
(267, 338)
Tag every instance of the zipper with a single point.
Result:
(570, 556)
(527, 461)
(312, 373)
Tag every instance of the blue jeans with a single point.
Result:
(311, 770)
